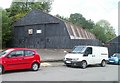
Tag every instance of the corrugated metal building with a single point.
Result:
(41, 30)
(114, 45)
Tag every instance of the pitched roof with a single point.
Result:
(36, 17)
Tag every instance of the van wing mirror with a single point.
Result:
(67, 51)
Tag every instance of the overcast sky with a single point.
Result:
(90, 9)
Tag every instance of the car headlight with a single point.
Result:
(116, 59)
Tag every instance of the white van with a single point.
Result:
(87, 55)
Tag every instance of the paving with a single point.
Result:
(52, 57)
(52, 64)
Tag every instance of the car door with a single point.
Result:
(28, 58)
(14, 60)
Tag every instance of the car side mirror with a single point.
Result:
(33, 54)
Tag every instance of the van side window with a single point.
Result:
(88, 51)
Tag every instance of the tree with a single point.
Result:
(62, 17)
(99, 32)
(79, 20)
(0, 28)
(20, 9)
(104, 31)
(6, 28)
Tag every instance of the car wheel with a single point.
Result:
(103, 63)
(1, 69)
(83, 64)
(35, 66)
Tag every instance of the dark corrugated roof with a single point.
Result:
(36, 17)
(76, 32)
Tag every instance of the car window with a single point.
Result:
(4, 52)
(16, 53)
(118, 55)
(29, 53)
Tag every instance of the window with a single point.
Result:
(16, 53)
(38, 31)
(78, 49)
(2, 53)
(30, 31)
(116, 55)
(29, 53)
(88, 51)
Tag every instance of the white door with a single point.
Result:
(88, 55)
(90, 59)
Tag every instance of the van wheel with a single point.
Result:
(35, 66)
(1, 69)
(68, 65)
(83, 64)
(103, 63)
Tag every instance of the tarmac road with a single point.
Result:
(59, 72)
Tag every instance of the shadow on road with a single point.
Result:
(91, 66)
(19, 71)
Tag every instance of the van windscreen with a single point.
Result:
(79, 49)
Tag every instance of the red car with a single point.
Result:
(19, 58)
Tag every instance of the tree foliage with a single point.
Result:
(62, 17)
(20, 9)
(104, 31)
(79, 20)
(0, 28)
(6, 28)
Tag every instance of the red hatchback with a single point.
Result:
(19, 58)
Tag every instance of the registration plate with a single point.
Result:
(111, 61)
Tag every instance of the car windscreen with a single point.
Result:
(79, 49)
(4, 52)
